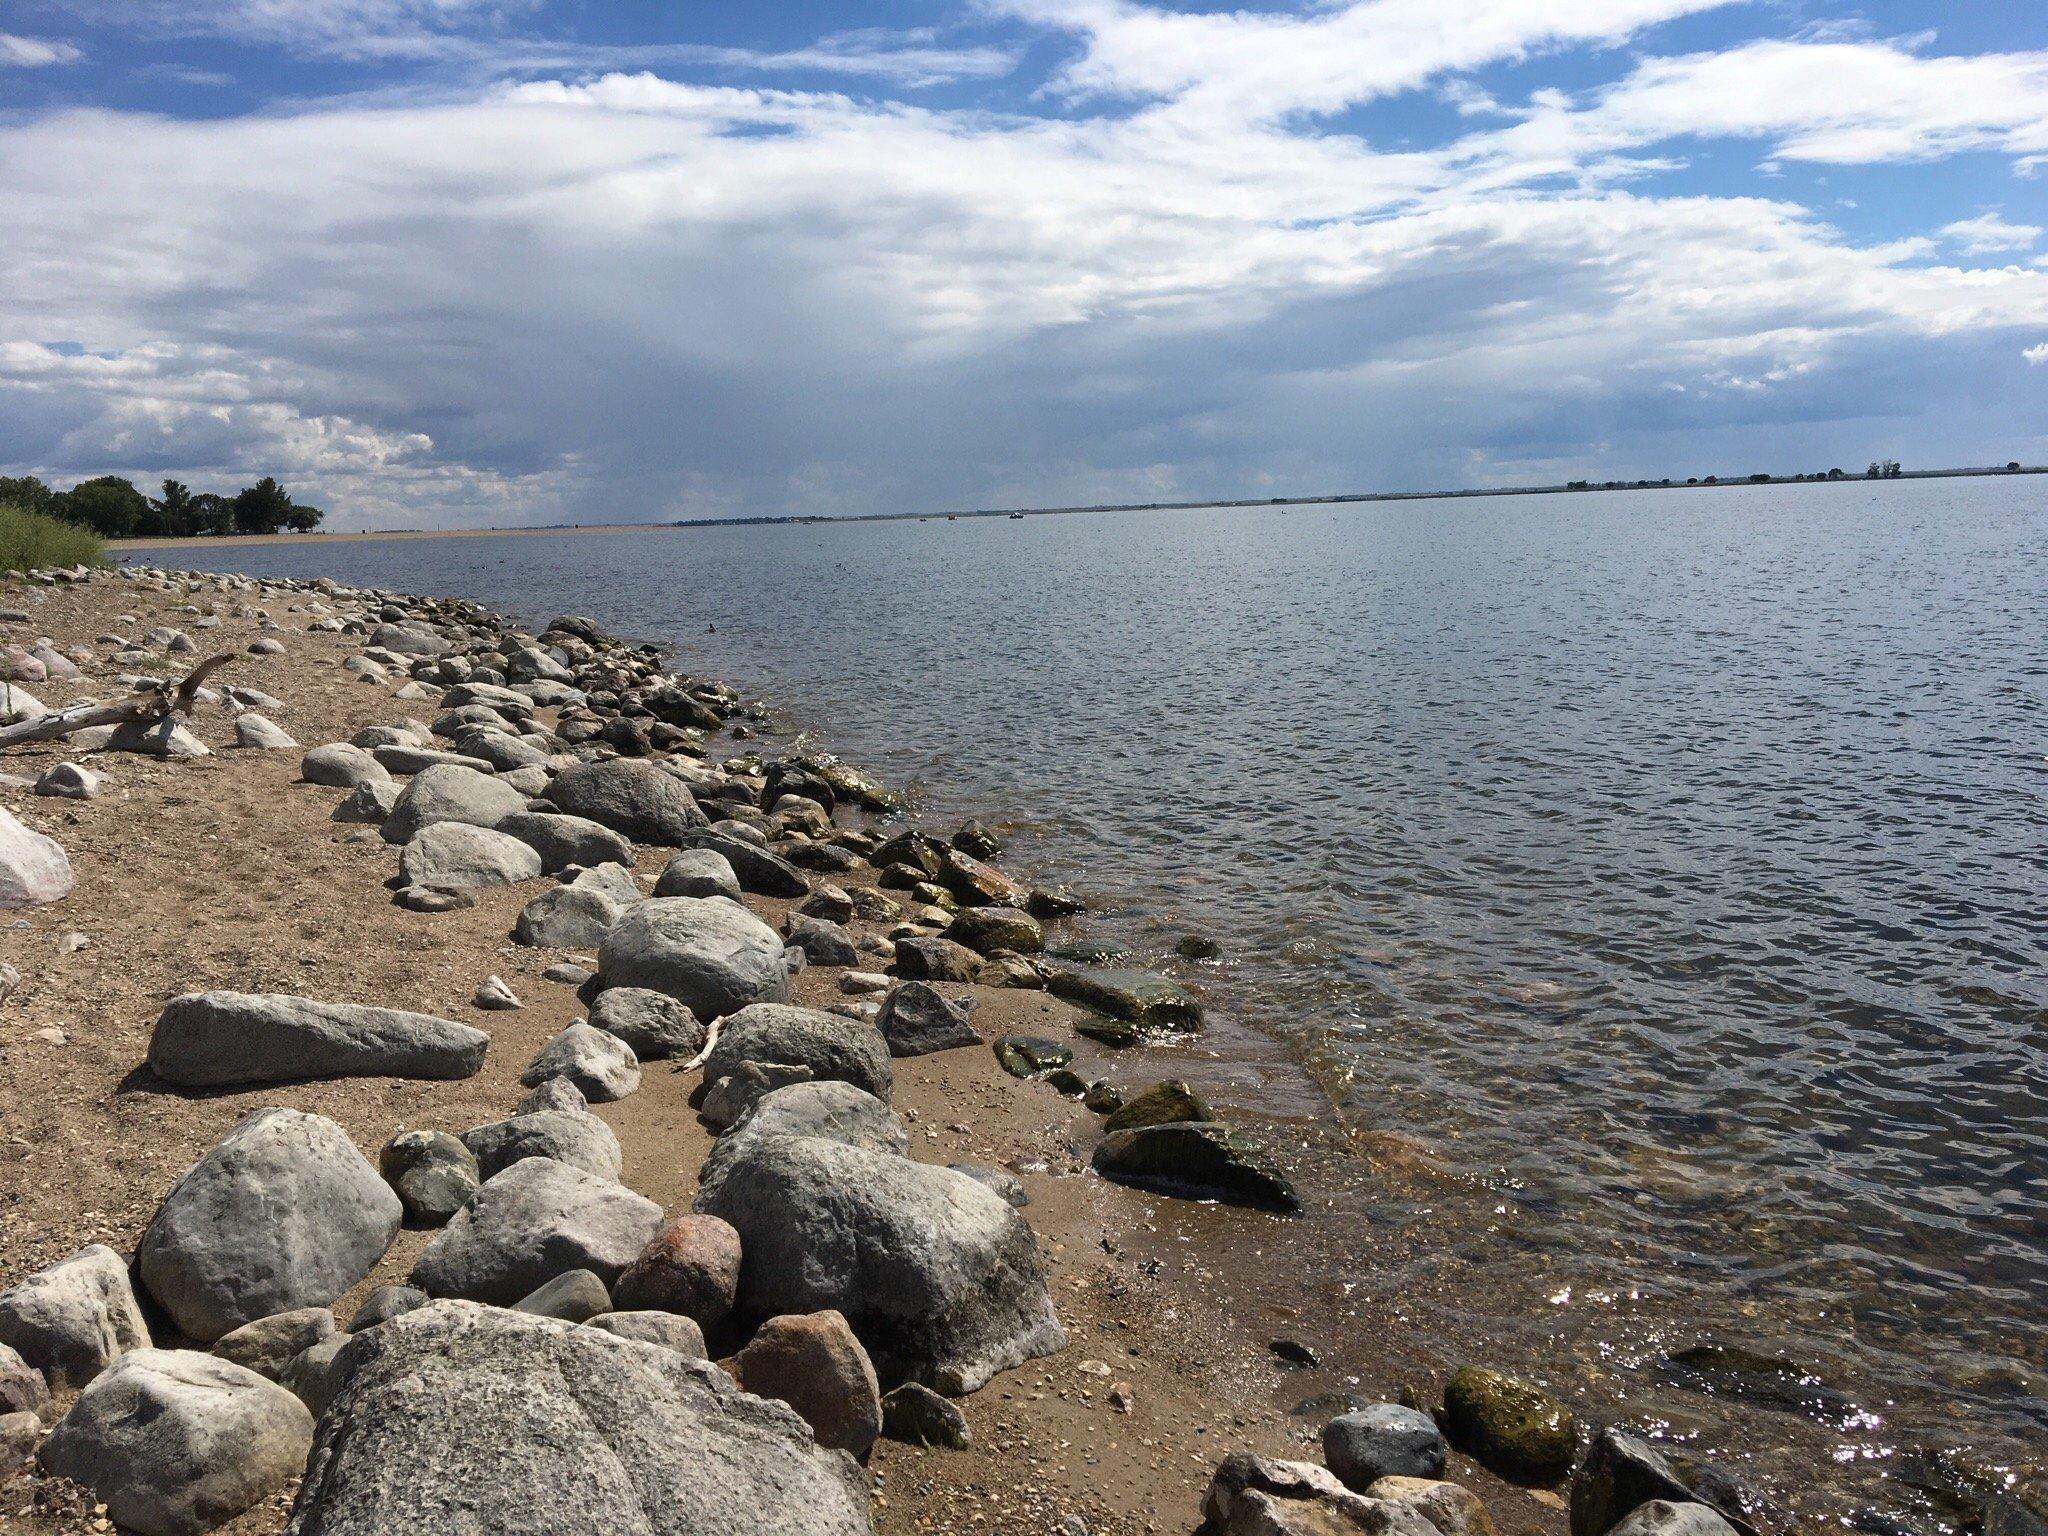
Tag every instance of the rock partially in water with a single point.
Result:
(1383, 1440)
(1030, 1055)
(1151, 1002)
(1161, 1104)
(1195, 1161)
(1622, 1470)
(1512, 1427)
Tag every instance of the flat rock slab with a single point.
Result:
(1195, 1161)
(283, 1212)
(205, 1039)
(538, 1219)
(175, 1443)
(939, 1277)
(463, 1419)
(1137, 997)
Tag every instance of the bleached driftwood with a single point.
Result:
(710, 1044)
(155, 702)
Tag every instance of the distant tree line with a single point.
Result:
(114, 509)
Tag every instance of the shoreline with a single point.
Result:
(245, 882)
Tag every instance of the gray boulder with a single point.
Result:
(385, 1303)
(502, 750)
(567, 917)
(823, 943)
(575, 1137)
(564, 840)
(342, 766)
(367, 804)
(404, 759)
(698, 872)
(204, 1039)
(1660, 1518)
(601, 1065)
(74, 1319)
(555, 1093)
(1257, 1496)
(654, 1026)
(283, 1212)
(458, 1418)
(408, 641)
(938, 1276)
(711, 955)
(917, 1019)
(669, 1330)
(253, 731)
(756, 869)
(575, 1297)
(453, 856)
(449, 792)
(175, 1443)
(1383, 1440)
(311, 1375)
(269, 1344)
(629, 796)
(23, 1388)
(830, 1111)
(537, 1219)
(432, 1173)
(832, 1046)
(33, 868)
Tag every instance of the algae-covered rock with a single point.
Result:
(1194, 1160)
(1161, 1104)
(1029, 1055)
(1137, 997)
(1511, 1426)
(987, 929)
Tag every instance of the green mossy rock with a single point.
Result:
(1161, 1104)
(1117, 1034)
(1029, 1056)
(1512, 1427)
(1138, 997)
(1196, 1161)
(988, 929)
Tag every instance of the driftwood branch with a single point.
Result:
(710, 1044)
(155, 702)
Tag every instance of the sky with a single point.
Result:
(503, 262)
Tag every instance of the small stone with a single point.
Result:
(567, 973)
(916, 1415)
(601, 1065)
(269, 1344)
(385, 1303)
(495, 996)
(433, 1173)
(1161, 1104)
(22, 1387)
(574, 1297)
(69, 781)
(19, 1435)
(556, 1093)
(815, 1364)
(1030, 1055)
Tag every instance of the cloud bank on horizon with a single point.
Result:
(529, 261)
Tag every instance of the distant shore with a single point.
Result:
(1574, 488)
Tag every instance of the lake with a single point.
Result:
(1651, 887)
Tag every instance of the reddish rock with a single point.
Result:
(815, 1364)
(692, 1268)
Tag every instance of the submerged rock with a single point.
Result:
(1161, 1104)
(1512, 1427)
(1195, 1161)
(1152, 1003)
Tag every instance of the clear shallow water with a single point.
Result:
(1655, 882)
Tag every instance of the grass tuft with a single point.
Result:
(29, 541)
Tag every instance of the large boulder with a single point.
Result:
(451, 792)
(464, 1419)
(938, 1276)
(454, 856)
(174, 1442)
(33, 868)
(205, 1039)
(698, 872)
(283, 1212)
(756, 869)
(831, 1111)
(74, 1319)
(343, 765)
(830, 1044)
(564, 840)
(568, 1136)
(711, 955)
(631, 797)
(538, 1219)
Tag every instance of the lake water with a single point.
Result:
(1653, 883)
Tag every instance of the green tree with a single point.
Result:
(110, 506)
(303, 519)
(27, 493)
(262, 507)
(212, 514)
(173, 509)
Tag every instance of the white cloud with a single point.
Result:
(34, 52)
(2037, 355)
(1988, 234)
